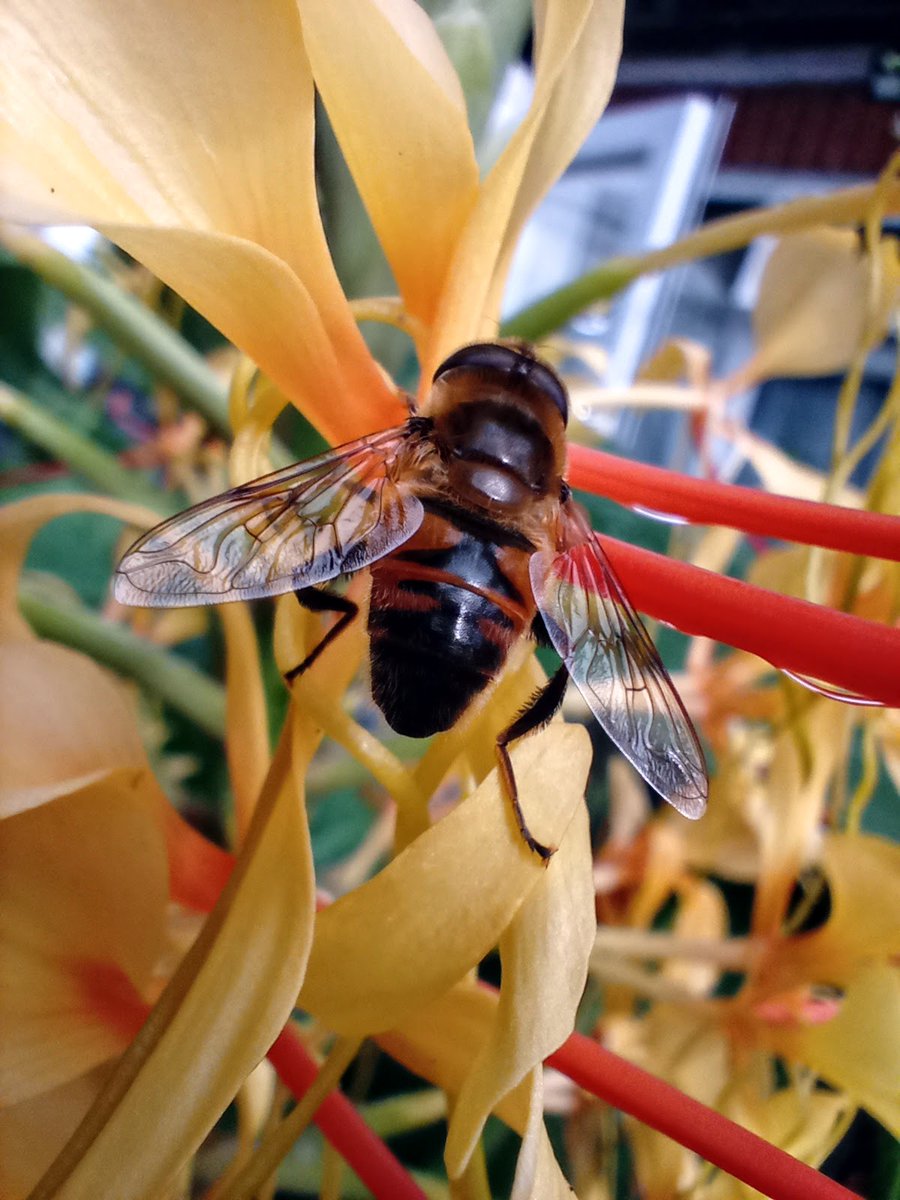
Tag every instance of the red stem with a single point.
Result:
(342, 1125)
(753, 511)
(715, 1138)
(843, 650)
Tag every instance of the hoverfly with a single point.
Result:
(473, 540)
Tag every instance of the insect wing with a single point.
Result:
(613, 661)
(299, 526)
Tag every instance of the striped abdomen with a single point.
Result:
(444, 611)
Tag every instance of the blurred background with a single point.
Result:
(718, 109)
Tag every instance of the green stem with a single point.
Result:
(553, 311)
(173, 680)
(405, 1113)
(78, 452)
(848, 206)
(130, 324)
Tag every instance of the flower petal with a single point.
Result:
(858, 1051)
(788, 834)
(863, 875)
(409, 934)
(399, 114)
(544, 955)
(247, 739)
(279, 320)
(83, 892)
(232, 994)
(576, 59)
(32, 1131)
(198, 869)
(538, 1174)
(813, 307)
(20, 522)
(215, 192)
(64, 723)
(439, 1041)
(580, 92)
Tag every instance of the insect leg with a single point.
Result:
(540, 709)
(320, 600)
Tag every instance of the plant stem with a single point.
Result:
(847, 206)
(405, 1113)
(339, 1121)
(653, 945)
(553, 311)
(96, 465)
(275, 1145)
(181, 685)
(130, 324)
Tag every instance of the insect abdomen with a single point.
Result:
(442, 617)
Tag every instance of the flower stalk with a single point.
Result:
(342, 1125)
(177, 682)
(130, 324)
(715, 1138)
(94, 464)
(848, 206)
(263, 1163)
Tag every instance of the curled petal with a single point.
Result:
(544, 955)
(406, 936)
(575, 65)
(275, 317)
(399, 114)
(538, 1174)
(843, 650)
(18, 525)
(753, 511)
(578, 94)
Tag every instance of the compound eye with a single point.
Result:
(482, 356)
(515, 366)
(546, 380)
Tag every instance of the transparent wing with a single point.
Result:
(611, 658)
(303, 525)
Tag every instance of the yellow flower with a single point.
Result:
(813, 1006)
(201, 166)
(88, 850)
(185, 133)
